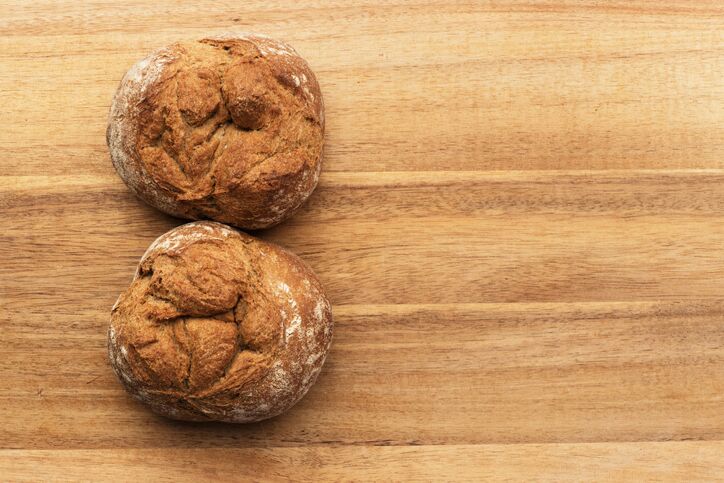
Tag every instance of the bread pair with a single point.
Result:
(218, 325)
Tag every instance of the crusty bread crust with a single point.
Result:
(219, 326)
(229, 128)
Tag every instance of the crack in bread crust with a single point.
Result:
(218, 325)
(228, 128)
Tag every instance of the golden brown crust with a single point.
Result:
(218, 325)
(227, 128)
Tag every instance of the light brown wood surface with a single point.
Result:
(520, 225)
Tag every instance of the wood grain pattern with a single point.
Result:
(464, 373)
(556, 462)
(519, 226)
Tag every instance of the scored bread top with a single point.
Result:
(228, 128)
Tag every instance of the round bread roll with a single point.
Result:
(219, 326)
(225, 128)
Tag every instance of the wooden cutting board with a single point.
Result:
(520, 225)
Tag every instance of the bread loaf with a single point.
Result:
(226, 128)
(218, 325)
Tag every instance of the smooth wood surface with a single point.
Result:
(548, 462)
(520, 225)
